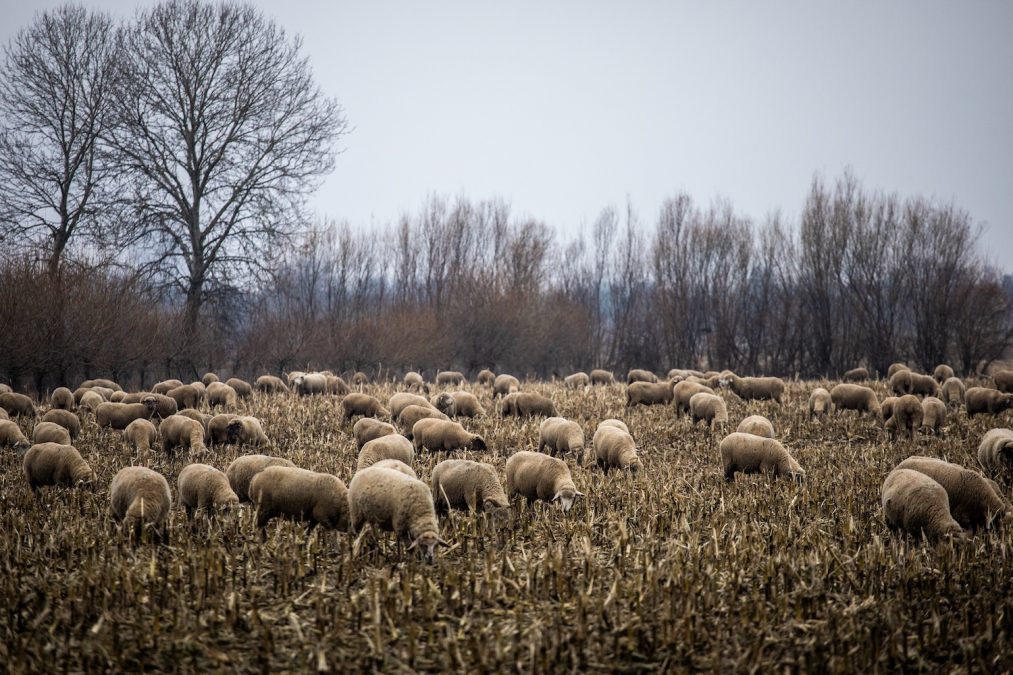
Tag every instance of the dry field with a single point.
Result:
(670, 570)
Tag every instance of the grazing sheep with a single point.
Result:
(527, 404)
(535, 476)
(907, 416)
(246, 431)
(318, 498)
(220, 393)
(679, 374)
(165, 386)
(396, 465)
(560, 436)
(856, 397)
(413, 413)
(367, 429)
(119, 415)
(901, 382)
(385, 447)
(106, 393)
(895, 368)
(445, 403)
(755, 454)
(308, 384)
(208, 378)
(62, 398)
(104, 384)
(486, 377)
(241, 387)
(402, 400)
(856, 375)
(360, 379)
(178, 431)
(335, 385)
(414, 382)
(449, 377)
(942, 373)
(648, 393)
(757, 388)
(918, 505)
(12, 437)
(435, 434)
(618, 424)
(56, 464)
(204, 419)
(577, 380)
(394, 502)
(244, 468)
(615, 449)
(933, 416)
(218, 427)
(604, 377)
(980, 401)
(185, 396)
(270, 384)
(757, 425)
(995, 452)
(140, 435)
(820, 402)
(466, 404)
(467, 486)
(504, 385)
(163, 405)
(710, 408)
(50, 432)
(66, 419)
(140, 497)
(361, 404)
(1003, 380)
(923, 385)
(90, 401)
(205, 487)
(953, 392)
(17, 404)
(974, 502)
(684, 391)
(638, 375)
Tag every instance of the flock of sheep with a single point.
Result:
(923, 496)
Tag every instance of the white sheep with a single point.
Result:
(535, 476)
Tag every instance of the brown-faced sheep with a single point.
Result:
(1003, 380)
(270, 384)
(710, 408)
(244, 468)
(413, 382)
(218, 427)
(402, 400)
(933, 416)
(602, 377)
(953, 391)
(683, 392)
(757, 425)
(434, 434)
(413, 413)
(820, 403)
(901, 383)
(446, 378)
(367, 429)
(140, 435)
(56, 464)
(615, 449)
(317, 498)
(974, 502)
(445, 403)
(178, 431)
(640, 375)
(995, 452)
(119, 415)
(560, 436)
(163, 405)
(12, 437)
(504, 385)
(66, 419)
(103, 383)
(361, 404)
(918, 505)
(923, 385)
(895, 368)
(385, 447)
(140, 497)
(221, 394)
(185, 396)
(527, 404)
(246, 431)
(393, 502)
(535, 476)
(360, 379)
(466, 404)
(577, 381)
(757, 388)
(467, 486)
(17, 404)
(49, 432)
(907, 416)
(942, 373)
(649, 393)
(203, 487)
(981, 401)
(755, 454)
(856, 397)
(856, 375)
(486, 377)
(241, 387)
(62, 398)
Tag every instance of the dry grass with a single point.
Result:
(673, 569)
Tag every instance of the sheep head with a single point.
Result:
(427, 543)
(478, 444)
(566, 497)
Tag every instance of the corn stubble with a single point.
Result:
(670, 569)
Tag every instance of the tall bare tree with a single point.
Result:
(54, 106)
(225, 133)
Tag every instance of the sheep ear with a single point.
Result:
(556, 497)
(413, 544)
(579, 494)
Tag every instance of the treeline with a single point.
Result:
(863, 278)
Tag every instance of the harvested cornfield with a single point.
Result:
(666, 570)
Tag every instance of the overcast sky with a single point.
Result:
(563, 108)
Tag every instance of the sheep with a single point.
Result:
(820, 402)
(124, 397)
(754, 454)
(140, 435)
(299, 494)
(66, 419)
(445, 403)
(887, 407)
(208, 378)
(682, 392)
(995, 452)
(722, 379)
(618, 424)
(396, 465)
(367, 429)
(165, 386)
(923, 385)
(11, 436)
(648, 393)
(270, 384)
(394, 502)
(577, 380)
(119, 415)
(856, 397)
(933, 415)
(1003, 380)
(206, 488)
(638, 375)
(710, 408)
(980, 401)
(361, 404)
(185, 396)
(917, 504)
(758, 388)
(413, 413)
(386, 447)
(527, 404)
(504, 385)
(603, 377)
(434, 434)
(680, 374)
(140, 497)
(414, 382)
(942, 373)
(49, 432)
(466, 404)
(246, 431)
(449, 377)
(901, 382)
(974, 502)
(204, 419)
(62, 398)
(402, 400)
(4, 388)
(486, 377)
(335, 385)
(90, 401)
(17, 404)
(56, 464)
(953, 391)
(467, 486)
(106, 393)
(560, 436)
(241, 387)
(178, 431)
(164, 406)
(218, 427)
(242, 470)
(895, 368)
(757, 425)
(615, 449)
(856, 375)
(309, 384)
(907, 416)
(105, 384)
(220, 393)
(360, 379)
(535, 476)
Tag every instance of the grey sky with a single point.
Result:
(563, 108)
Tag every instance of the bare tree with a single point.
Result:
(54, 101)
(224, 133)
